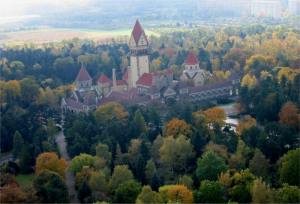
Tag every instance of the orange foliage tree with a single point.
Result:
(245, 123)
(176, 194)
(215, 115)
(50, 161)
(289, 115)
(176, 127)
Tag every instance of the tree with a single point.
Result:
(246, 123)
(121, 174)
(29, 90)
(139, 123)
(109, 112)
(176, 194)
(176, 154)
(97, 182)
(289, 167)
(261, 192)
(186, 181)
(50, 187)
(18, 144)
(51, 130)
(50, 161)
(215, 116)
(127, 192)
(209, 166)
(259, 165)
(148, 196)
(249, 81)
(289, 115)
(25, 159)
(287, 194)
(102, 150)
(241, 157)
(80, 161)
(241, 186)
(210, 192)
(176, 127)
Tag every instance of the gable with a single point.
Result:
(143, 40)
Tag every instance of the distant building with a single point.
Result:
(85, 97)
(192, 72)
(294, 7)
(139, 56)
(139, 86)
(266, 8)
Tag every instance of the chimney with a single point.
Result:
(114, 77)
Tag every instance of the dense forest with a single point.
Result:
(174, 152)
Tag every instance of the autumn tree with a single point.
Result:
(209, 166)
(289, 115)
(50, 161)
(109, 112)
(245, 123)
(176, 194)
(249, 81)
(261, 192)
(215, 116)
(176, 127)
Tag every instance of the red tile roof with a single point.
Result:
(104, 79)
(137, 31)
(146, 79)
(121, 82)
(191, 59)
(83, 75)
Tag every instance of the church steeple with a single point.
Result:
(139, 57)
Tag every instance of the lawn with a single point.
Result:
(25, 180)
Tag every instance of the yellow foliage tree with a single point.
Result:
(264, 74)
(215, 115)
(245, 123)
(176, 194)
(288, 73)
(249, 81)
(50, 161)
(176, 127)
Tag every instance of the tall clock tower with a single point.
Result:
(139, 56)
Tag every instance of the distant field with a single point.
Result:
(55, 35)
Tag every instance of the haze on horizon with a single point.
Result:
(107, 14)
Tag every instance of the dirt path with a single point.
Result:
(70, 179)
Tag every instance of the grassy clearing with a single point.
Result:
(25, 180)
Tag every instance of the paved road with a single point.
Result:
(70, 179)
